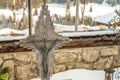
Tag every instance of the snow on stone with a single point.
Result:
(78, 74)
(64, 30)
(10, 38)
(82, 28)
(9, 31)
(92, 33)
(6, 34)
(26, 31)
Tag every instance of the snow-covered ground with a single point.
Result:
(81, 74)
(7, 34)
(93, 33)
(78, 74)
(67, 31)
(6, 12)
(97, 10)
(60, 9)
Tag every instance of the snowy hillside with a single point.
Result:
(98, 10)
(60, 9)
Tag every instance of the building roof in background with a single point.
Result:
(107, 18)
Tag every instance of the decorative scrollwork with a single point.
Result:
(114, 27)
(117, 40)
(117, 75)
(113, 20)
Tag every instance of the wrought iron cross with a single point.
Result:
(45, 40)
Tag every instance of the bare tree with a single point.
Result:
(68, 11)
(68, 7)
(82, 11)
(77, 15)
(14, 14)
(23, 20)
(118, 13)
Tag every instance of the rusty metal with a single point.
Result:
(30, 17)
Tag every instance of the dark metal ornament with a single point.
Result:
(117, 74)
(45, 40)
(44, 2)
(117, 31)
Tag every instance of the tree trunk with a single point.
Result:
(14, 14)
(82, 12)
(77, 15)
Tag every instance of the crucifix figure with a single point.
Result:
(44, 41)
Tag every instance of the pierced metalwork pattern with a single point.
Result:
(117, 74)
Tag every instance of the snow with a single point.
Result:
(78, 74)
(64, 30)
(82, 28)
(60, 10)
(107, 18)
(6, 12)
(9, 31)
(104, 3)
(67, 31)
(97, 10)
(10, 38)
(93, 33)
(5, 34)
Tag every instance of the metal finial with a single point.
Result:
(44, 2)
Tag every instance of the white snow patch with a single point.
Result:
(10, 38)
(92, 33)
(6, 12)
(5, 34)
(78, 74)
(9, 31)
(107, 18)
(64, 30)
(82, 28)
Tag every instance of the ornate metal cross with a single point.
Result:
(45, 40)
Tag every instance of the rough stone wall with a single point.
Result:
(93, 58)
(23, 65)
